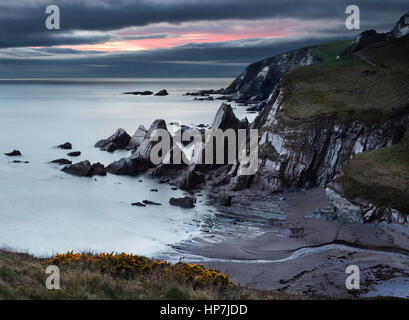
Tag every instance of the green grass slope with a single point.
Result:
(380, 176)
(350, 88)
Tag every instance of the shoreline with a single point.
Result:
(299, 255)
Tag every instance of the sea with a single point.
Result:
(44, 211)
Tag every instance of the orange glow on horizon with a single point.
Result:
(177, 40)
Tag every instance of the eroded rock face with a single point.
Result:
(120, 138)
(401, 29)
(359, 210)
(137, 138)
(259, 79)
(310, 153)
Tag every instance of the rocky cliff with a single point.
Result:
(374, 186)
(319, 117)
(259, 79)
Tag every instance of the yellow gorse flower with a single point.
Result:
(127, 265)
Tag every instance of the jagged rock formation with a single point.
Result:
(369, 37)
(259, 79)
(140, 160)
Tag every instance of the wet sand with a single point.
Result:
(265, 241)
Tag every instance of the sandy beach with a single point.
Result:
(294, 254)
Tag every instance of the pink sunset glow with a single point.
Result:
(186, 33)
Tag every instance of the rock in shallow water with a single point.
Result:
(110, 147)
(61, 161)
(14, 153)
(151, 202)
(65, 146)
(74, 154)
(138, 204)
(85, 169)
(185, 202)
(162, 93)
(121, 139)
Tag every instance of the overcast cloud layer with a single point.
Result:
(283, 24)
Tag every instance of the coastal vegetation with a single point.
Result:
(116, 276)
(368, 87)
(380, 176)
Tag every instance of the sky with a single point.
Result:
(171, 38)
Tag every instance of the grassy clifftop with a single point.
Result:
(116, 276)
(380, 176)
(350, 88)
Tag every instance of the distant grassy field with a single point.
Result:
(380, 176)
(112, 276)
(328, 52)
(350, 88)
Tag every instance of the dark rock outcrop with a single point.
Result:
(98, 169)
(121, 139)
(401, 29)
(359, 210)
(162, 93)
(65, 146)
(140, 93)
(74, 154)
(138, 204)
(190, 178)
(110, 147)
(148, 202)
(140, 159)
(61, 161)
(85, 169)
(14, 153)
(369, 37)
(226, 119)
(80, 169)
(185, 202)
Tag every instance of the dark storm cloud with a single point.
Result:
(223, 59)
(22, 22)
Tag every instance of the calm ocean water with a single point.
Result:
(44, 211)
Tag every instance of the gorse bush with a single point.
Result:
(128, 266)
